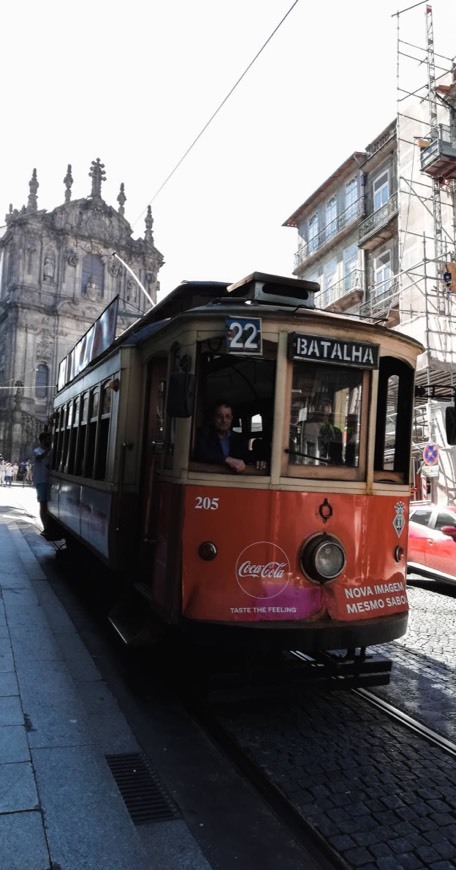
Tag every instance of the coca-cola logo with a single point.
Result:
(263, 570)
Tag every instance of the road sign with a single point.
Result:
(431, 453)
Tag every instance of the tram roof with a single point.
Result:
(277, 292)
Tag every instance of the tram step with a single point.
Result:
(134, 623)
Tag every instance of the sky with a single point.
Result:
(135, 83)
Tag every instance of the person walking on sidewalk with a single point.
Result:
(41, 477)
(8, 474)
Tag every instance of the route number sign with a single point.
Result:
(243, 335)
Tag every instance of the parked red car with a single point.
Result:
(432, 541)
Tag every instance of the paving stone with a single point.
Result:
(366, 838)
(11, 711)
(13, 745)
(357, 857)
(389, 864)
(342, 842)
(411, 862)
(445, 848)
(428, 855)
(22, 842)
(380, 850)
(17, 788)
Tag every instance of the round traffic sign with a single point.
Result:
(431, 453)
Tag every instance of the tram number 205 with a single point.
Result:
(204, 503)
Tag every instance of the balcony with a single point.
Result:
(379, 226)
(325, 238)
(347, 293)
(438, 159)
(383, 303)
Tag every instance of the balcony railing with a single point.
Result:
(329, 232)
(382, 298)
(378, 219)
(354, 280)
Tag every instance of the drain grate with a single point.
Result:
(145, 797)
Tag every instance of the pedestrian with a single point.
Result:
(41, 477)
(8, 474)
(29, 472)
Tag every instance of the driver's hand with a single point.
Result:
(237, 465)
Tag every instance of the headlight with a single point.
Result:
(322, 558)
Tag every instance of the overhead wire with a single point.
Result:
(214, 114)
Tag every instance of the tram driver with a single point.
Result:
(217, 444)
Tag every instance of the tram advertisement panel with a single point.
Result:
(256, 574)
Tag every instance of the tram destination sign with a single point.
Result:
(333, 350)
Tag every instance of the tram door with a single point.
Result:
(150, 478)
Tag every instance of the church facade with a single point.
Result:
(58, 271)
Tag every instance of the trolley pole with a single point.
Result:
(135, 277)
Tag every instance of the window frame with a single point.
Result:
(312, 233)
(380, 184)
(333, 471)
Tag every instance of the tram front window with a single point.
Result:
(325, 421)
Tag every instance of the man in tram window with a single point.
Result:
(217, 444)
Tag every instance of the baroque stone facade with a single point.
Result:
(58, 273)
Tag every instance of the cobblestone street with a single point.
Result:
(432, 625)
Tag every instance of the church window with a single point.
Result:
(42, 381)
(92, 276)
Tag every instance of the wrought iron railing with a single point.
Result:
(381, 299)
(378, 219)
(328, 232)
(353, 280)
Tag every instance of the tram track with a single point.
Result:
(401, 716)
(363, 777)
(407, 721)
(321, 856)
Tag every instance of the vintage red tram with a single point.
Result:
(306, 549)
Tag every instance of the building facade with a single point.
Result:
(57, 274)
(392, 256)
(327, 224)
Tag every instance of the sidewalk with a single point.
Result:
(60, 805)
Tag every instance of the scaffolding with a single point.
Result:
(426, 280)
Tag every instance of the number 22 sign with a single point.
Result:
(243, 335)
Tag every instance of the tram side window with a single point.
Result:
(325, 416)
(73, 423)
(94, 407)
(64, 438)
(81, 436)
(394, 417)
(57, 459)
(103, 433)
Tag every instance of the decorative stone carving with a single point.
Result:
(131, 293)
(91, 290)
(49, 268)
(114, 268)
(44, 346)
(72, 258)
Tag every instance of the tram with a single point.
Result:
(306, 548)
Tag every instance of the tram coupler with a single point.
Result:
(355, 668)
